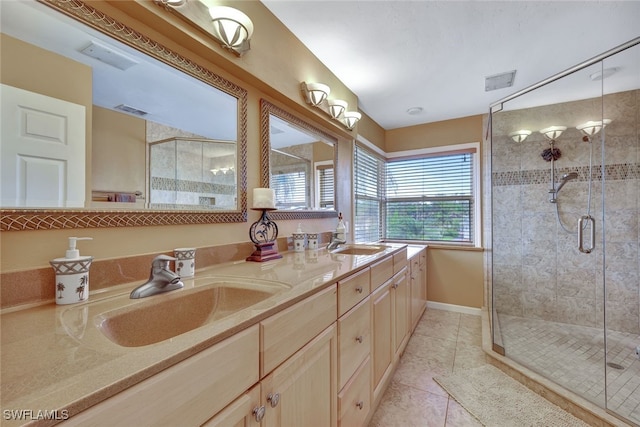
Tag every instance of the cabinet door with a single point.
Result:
(400, 298)
(245, 411)
(382, 350)
(415, 279)
(303, 390)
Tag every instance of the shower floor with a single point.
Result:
(573, 357)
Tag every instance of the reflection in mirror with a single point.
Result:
(131, 97)
(298, 163)
(301, 167)
(190, 173)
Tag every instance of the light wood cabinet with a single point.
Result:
(324, 361)
(354, 401)
(188, 393)
(418, 282)
(390, 325)
(353, 289)
(382, 344)
(284, 333)
(303, 391)
(354, 337)
(401, 297)
(243, 412)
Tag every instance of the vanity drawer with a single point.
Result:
(352, 290)
(354, 340)
(381, 272)
(354, 401)
(188, 393)
(399, 260)
(286, 332)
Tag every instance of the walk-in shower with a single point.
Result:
(564, 235)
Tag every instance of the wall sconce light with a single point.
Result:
(592, 127)
(520, 135)
(230, 27)
(336, 107)
(553, 132)
(315, 93)
(351, 118)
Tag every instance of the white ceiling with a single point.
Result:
(397, 54)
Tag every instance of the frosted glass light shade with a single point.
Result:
(351, 118)
(232, 27)
(316, 92)
(592, 127)
(336, 107)
(520, 135)
(553, 132)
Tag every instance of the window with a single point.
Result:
(368, 184)
(325, 185)
(429, 197)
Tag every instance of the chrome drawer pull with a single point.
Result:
(258, 413)
(273, 399)
(360, 405)
(359, 289)
(359, 339)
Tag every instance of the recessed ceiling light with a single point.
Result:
(499, 81)
(601, 75)
(414, 111)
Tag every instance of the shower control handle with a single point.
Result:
(592, 238)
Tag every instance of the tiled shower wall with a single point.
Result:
(538, 271)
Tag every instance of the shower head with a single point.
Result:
(566, 178)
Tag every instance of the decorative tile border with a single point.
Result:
(620, 171)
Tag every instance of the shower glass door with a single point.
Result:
(621, 262)
(564, 233)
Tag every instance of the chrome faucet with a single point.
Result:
(335, 242)
(160, 280)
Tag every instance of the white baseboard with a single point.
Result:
(456, 308)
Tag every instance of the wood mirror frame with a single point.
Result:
(266, 110)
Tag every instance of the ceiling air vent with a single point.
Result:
(499, 81)
(131, 110)
(109, 55)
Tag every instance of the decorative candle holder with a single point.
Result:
(263, 233)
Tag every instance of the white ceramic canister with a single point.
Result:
(185, 261)
(312, 241)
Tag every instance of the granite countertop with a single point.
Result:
(54, 358)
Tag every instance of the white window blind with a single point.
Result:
(369, 172)
(291, 189)
(326, 186)
(431, 198)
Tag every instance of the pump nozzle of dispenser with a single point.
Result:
(72, 252)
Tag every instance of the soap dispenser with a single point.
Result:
(72, 274)
(341, 229)
(298, 239)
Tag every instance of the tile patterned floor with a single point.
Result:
(442, 343)
(573, 356)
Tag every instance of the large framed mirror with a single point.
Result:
(165, 138)
(298, 161)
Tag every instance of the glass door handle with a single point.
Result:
(588, 219)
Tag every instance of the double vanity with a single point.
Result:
(310, 339)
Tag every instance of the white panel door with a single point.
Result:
(42, 150)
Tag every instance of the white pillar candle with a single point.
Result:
(264, 198)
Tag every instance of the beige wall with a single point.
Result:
(273, 69)
(119, 143)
